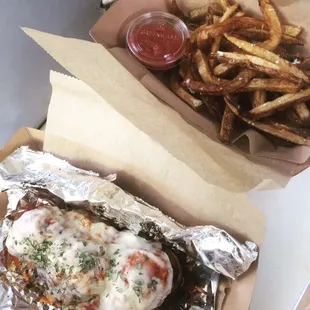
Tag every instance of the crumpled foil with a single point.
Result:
(39, 178)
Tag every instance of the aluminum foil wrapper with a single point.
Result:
(37, 178)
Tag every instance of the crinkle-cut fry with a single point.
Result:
(261, 35)
(302, 112)
(272, 20)
(267, 55)
(295, 135)
(259, 98)
(291, 30)
(223, 87)
(272, 85)
(182, 93)
(254, 63)
(200, 13)
(225, 4)
(279, 104)
(204, 68)
(217, 41)
(223, 69)
(227, 125)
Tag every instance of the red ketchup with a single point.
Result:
(157, 40)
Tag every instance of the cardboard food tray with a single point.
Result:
(110, 31)
(232, 211)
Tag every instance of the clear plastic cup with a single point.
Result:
(157, 39)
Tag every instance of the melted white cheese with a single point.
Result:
(79, 258)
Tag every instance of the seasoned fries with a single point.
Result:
(254, 63)
(259, 98)
(272, 85)
(270, 107)
(273, 22)
(201, 13)
(204, 68)
(242, 69)
(262, 35)
(267, 55)
(179, 91)
(223, 69)
(222, 87)
(227, 125)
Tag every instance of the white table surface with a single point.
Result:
(284, 268)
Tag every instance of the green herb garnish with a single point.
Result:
(138, 266)
(152, 285)
(88, 261)
(40, 251)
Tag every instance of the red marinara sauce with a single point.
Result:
(157, 40)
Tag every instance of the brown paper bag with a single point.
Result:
(212, 161)
(110, 32)
(84, 128)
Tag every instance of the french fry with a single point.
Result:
(256, 60)
(183, 94)
(262, 35)
(227, 125)
(279, 104)
(204, 33)
(216, 19)
(200, 13)
(217, 41)
(207, 32)
(221, 88)
(272, 85)
(240, 14)
(295, 135)
(223, 69)
(204, 68)
(272, 20)
(225, 4)
(302, 112)
(259, 98)
(291, 30)
(269, 56)
(254, 63)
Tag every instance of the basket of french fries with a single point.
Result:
(246, 72)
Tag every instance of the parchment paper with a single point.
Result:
(212, 161)
(84, 128)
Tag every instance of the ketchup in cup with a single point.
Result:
(157, 40)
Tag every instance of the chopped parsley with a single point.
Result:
(138, 266)
(40, 251)
(101, 250)
(152, 285)
(138, 290)
(88, 261)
